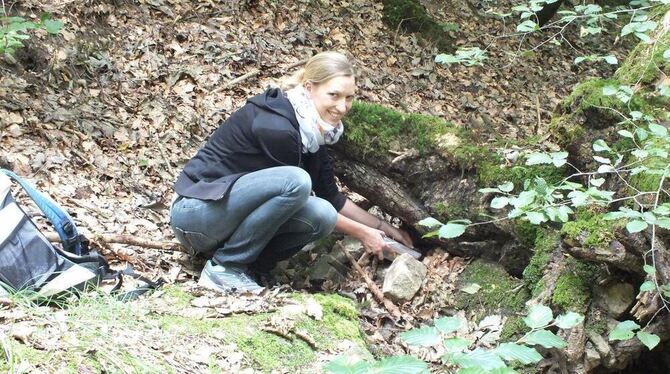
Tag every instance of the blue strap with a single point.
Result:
(61, 221)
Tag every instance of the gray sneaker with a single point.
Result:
(230, 277)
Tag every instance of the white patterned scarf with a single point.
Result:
(314, 131)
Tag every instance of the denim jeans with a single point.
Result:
(267, 216)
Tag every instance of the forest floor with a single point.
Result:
(103, 116)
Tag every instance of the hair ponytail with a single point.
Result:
(320, 68)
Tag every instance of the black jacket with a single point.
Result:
(264, 133)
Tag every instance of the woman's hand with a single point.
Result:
(398, 235)
(373, 242)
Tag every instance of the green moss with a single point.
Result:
(645, 63)
(546, 241)
(499, 291)
(176, 296)
(538, 288)
(492, 171)
(565, 129)
(573, 287)
(597, 231)
(526, 232)
(597, 326)
(270, 351)
(445, 212)
(375, 129)
(513, 329)
(412, 16)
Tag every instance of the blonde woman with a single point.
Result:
(246, 196)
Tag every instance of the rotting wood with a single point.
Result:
(376, 292)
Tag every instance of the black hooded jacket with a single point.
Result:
(264, 133)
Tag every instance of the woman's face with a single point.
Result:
(333, 97)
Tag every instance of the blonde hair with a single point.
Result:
(320, 68)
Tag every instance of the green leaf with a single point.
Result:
(499, 202)
(423, 336)
(52, 26)
(597, 181)
(649, 269)
(429, 222)
(611, 59)
(600, 146)
(545, 338)
(489, 190)
(538, 316)
(451, 230)
(569, 320)
(478, 358)
(399, 365)
(471, 288)
(647, 286)
(538, 158)
(650, 340)
(626, 134)
(610, 90)
(623, 331)
(664, 223)
(636, 226)
(506, 187)
(455, 344)
(347, 365)
(602, 160)
(563, 213)
(658, 130)
(527, 26)
(536, 218)
(447, 324)
(524, 199)
(666, 54)
(521, 353)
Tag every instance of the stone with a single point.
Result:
(615, 298)
(404, 278)
(591, 358)
(353, 246)
(328, 268)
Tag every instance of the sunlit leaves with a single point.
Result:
(538, 316)
(467, 56)
(649, 340)
(447, 325)
(623, 93)
(569, 320)
(545, 338)
(517, 352)
(624, 331)
(424, 336)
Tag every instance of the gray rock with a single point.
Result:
(353, 246)
(328, 268)
(404, 278)
(591, 358)
(615, 298)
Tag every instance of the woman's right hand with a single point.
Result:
(373, 241)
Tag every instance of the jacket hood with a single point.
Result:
(274, 101)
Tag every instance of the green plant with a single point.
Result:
(13, 30)
(592, 19)
(461, 353)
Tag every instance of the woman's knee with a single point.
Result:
(298, 180)
(325, 215)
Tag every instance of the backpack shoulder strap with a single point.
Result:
(62, 221)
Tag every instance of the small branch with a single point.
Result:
(376, 292)
(126, 239)
(252, 74)
(277, 332)
(306, 338)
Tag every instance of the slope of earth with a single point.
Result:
(103, 115)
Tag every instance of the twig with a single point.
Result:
(306, 338)
(371, 285)
(539, 117)
(252, 74)
(126, 239)
(277, 332)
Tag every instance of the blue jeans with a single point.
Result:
(267, 216)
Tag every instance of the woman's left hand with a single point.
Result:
(398, 235)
